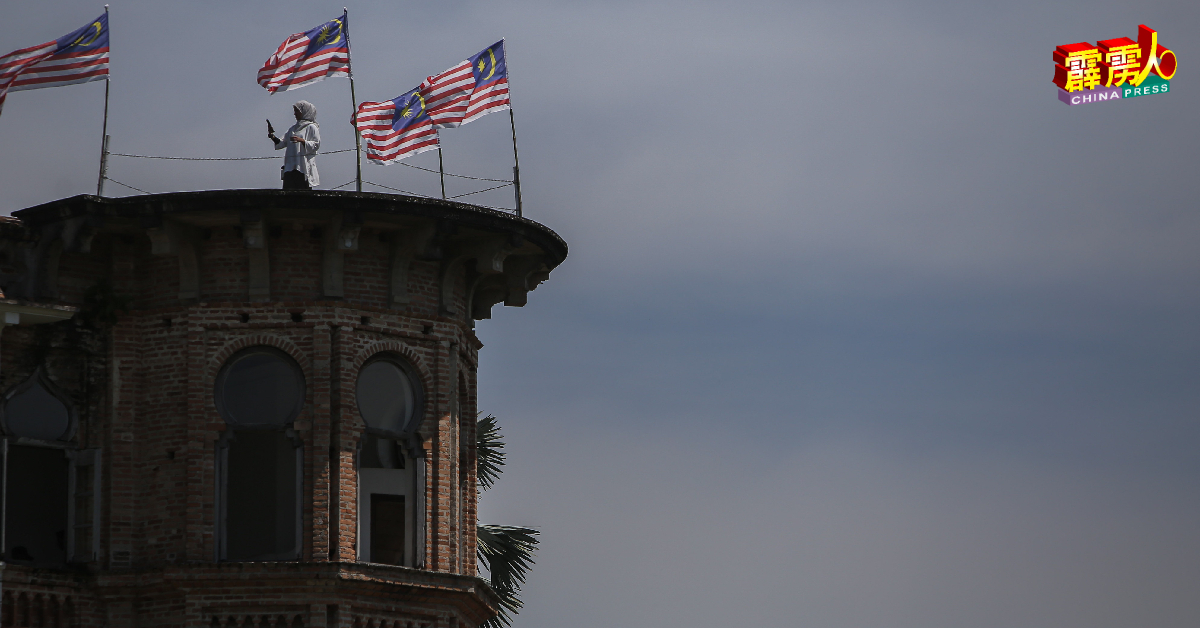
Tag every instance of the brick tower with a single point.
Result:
(248, 407)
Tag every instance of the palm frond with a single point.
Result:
(507, 551)
(489, 451)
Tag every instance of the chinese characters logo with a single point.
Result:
(1113, 68)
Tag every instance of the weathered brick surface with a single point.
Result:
(143, 389)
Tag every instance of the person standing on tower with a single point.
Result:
(301, 142)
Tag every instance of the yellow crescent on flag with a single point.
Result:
(493, 56)
(339, 33)
(80, 42)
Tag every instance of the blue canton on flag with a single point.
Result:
(308, 57)
(396, 129)
(78, 57)
(491, 83)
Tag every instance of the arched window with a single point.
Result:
(260, 387)
(390, 401)
(259, 392)
(31, 411)
(49, 485)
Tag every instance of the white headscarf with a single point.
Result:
(308, 111)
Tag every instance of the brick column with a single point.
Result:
(122, 472)
(322, 381)
(200, 450)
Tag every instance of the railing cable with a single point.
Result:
(482, 191)
(126, 185)
(460, 176)
(332, 152)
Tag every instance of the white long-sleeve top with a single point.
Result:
(301, 156)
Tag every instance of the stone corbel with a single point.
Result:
(51, 255)
(405, 246)
(333, 260)
(344, 230)
(41, 264)
(254, 238)
(519, 271)
(254, 235)
(174, 238)
(347, 239)
(78, 232)
(452, 265)
(489, 291)
(489, 258)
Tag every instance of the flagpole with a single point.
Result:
(441, 168)
(353, 107)
(513, 124)
(104, 136)
(516, 162)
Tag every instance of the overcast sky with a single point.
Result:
(860, 327)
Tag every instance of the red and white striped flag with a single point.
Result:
(308, 57)
(397, 128)
(469, 90)
(79, 57)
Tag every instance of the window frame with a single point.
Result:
(227, 368)
(83, 458)
(409, 480)
(39, 377)
(418, 388)
(221, 468)
(75, 457)
(232, 428)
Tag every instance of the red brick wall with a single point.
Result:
(144, 390)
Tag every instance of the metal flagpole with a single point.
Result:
(104, 137)
(354, 106)
(513, 124)
(516, 162)
(441, 168)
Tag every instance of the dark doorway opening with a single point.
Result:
(387, 529)
(262, 517)
(35, 514)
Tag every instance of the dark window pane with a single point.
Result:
(83, 543)
(83, 479)
(380, 453)
(387, 529)
(36, 512)
(35, 413)
(83, 508)
(261, 513)
(385, 396)
(261, 388)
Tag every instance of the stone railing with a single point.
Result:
(36, 609)
(366, 621)
(241, 619)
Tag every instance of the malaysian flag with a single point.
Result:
(469, 90)
(308, 57)
(397, 128)
(79, 57)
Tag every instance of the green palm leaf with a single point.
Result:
(507, 552)
(489, 451)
